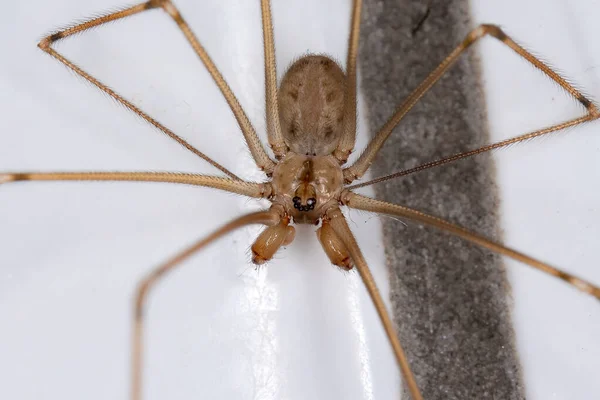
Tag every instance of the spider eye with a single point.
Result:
(310, 204)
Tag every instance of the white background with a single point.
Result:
(550, 195)
(72, 252)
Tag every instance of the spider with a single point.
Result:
(301, 178)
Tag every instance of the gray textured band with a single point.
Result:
(449, 297)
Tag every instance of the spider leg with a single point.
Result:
(337, 221)
(471, 153)
(258, 153)
(364, 203)
(269, 218)
(250, 189)
(348, 138)
(361, 165)
(274, 134)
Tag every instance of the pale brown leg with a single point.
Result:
(341, 228)
(364, 161)
(250, 189)
(348, 138)
(264, 217)
(274, 134)
(263, 161)
(360, 202)
(259, 154)
(471, 153)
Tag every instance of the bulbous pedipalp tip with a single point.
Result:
(257, 259)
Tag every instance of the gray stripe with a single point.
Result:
(449, 297)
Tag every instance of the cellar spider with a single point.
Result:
(3, 188)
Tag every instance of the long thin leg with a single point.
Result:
(263, 217)
(46, 43)
(471, 153)
(366, 158)
(348, 138)
(359, 202)
(263, 161)
(250, 189)
(341, 228)
(259, 154)
(274, 134)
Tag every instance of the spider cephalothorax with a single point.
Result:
(306, 186)
(303, 189)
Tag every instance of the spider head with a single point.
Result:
(304, 199)
(306, 186)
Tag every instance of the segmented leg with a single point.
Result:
(263, 161)
(269, 218)
(471, 153)
(250, 189)
(260, 156)
(340, 226)
(364, 161)
(360, 202)
(274, 134)
(346, 144)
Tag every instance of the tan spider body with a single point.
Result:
(308, 180)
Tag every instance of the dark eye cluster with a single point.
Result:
(310, 204)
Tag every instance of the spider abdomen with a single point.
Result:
(311, 105)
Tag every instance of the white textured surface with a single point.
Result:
(72, 253)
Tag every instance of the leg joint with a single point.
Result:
(46, 42)
(591, 107)
(495, 31)
(172, 11)
(486, 29)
